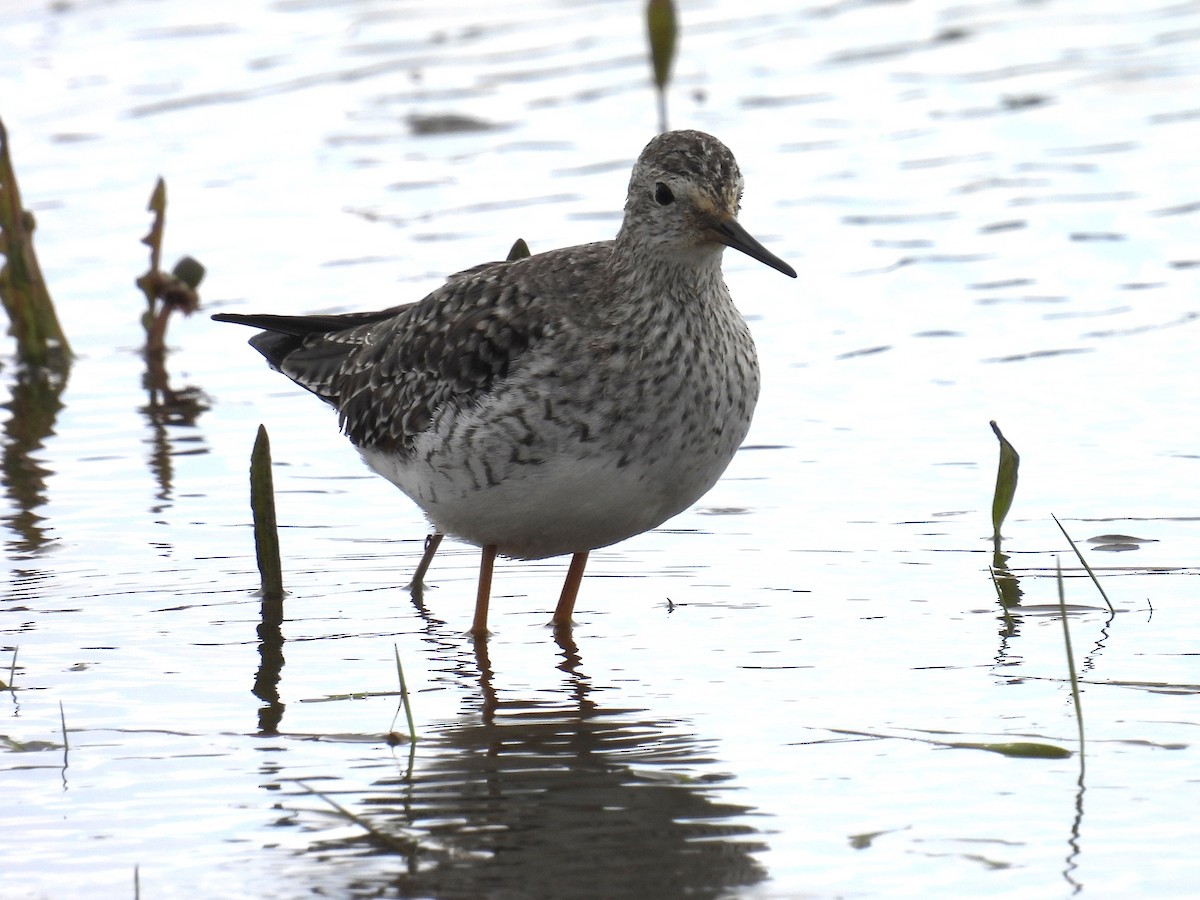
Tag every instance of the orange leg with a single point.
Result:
(486, 562)
(432, 542)
(566, 601)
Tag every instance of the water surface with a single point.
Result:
(993, 211)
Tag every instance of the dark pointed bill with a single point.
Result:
(731, 234)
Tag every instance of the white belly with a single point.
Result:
(562, 505)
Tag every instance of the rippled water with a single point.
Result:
(993, 209)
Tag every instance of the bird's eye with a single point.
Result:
(663, 195)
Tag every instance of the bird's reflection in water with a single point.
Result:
(558, 798)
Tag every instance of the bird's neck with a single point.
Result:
(686, 271)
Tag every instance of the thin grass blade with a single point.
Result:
(412, 729)
(1062, 608)
(1084, 562)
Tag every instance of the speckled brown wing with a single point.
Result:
(387, 373)
(449, 348)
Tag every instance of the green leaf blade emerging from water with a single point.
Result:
(1006, 482)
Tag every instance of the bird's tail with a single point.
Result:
(283, 335)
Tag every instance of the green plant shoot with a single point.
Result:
(262, 506)
(33, 321)
(1006, 482)
(663, 31)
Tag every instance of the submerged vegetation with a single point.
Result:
(1006, 583)
(519, 250)
(663, 32)
(165, 292)
(262, 506)
(32, 319)
(1008, 589)
(1087, 568)
(1006, 483)
(1071, 671)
